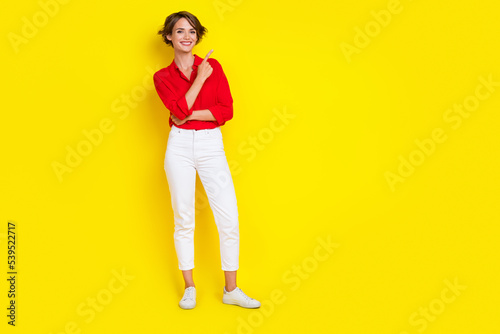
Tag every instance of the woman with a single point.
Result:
(196, 93)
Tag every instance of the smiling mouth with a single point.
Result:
(186, 43)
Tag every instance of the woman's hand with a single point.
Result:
(204, 69)
(178, 121)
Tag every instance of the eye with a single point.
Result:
(193, 32)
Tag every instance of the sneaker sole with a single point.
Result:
(187, 308)
(231, 303)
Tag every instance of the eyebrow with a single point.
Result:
(183, 29)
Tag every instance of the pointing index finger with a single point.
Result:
(208, 55)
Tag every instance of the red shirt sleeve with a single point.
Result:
(223, 108)
(177, 105)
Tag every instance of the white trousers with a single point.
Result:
(202, 151)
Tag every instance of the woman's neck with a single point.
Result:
(184, 60)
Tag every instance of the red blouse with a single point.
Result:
(172, 85)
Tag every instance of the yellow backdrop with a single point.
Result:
(364, 151)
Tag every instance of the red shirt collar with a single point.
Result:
(197, 61)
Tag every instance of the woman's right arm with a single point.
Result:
(181, 107)
(175, 104)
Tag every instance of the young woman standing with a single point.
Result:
(197, 94)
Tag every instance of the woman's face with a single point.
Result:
(183, 36)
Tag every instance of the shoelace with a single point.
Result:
(188, 294)
(244, 295)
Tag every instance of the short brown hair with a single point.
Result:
(172, 19)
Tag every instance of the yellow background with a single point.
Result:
(318, 175)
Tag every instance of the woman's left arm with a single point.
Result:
(222, 111)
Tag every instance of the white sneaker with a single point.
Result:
(188, 301)
(238, 297)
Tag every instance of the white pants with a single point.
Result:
(202, 151)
